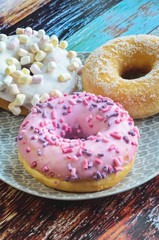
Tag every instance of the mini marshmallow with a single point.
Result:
(13, 88)
(20, 31)
(12, 61)
(32, 56)
(40, 64)
(22, 52)
(44, 97)
(17, 74)
(40, 55)
(34, 48)
(56, 93)
(35, 69)
(25, 79)
(72, 54)
(64, 77)
(2, 46)
(14, 109)
(37, 79)
(14, 43)
(43, 40)
(54, 40)
(78, 60)
(3, 37)
(10, 69)
(63, 44)
(41, 33)
(2, 86)
(73, 66)
(23, 38)
(28, 31)
(25, 60)
(19, 100)
(51, 66)
(47, 47)
(26, 71)
(35, 100)
(8, 79)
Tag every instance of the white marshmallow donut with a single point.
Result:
(33, 68)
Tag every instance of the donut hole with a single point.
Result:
(136, 66)
(135, 72)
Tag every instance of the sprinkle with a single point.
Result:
(69, 167)
(25, 123)
(90, 164)
(97, 160)
(106, 109)
(50, 105)
(28, 149)
(85, 164)
(132, 133)
(100, 154)
(98, 175)
(116, 162)
(67, 149)
(100, 118)
(45, 168)
(113, 115)
(126, 139)
(115, 135)
(72, 102)
(34, 164)
(85, 102)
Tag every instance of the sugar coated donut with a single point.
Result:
(126, 69)
(34, 67)
(78, 143)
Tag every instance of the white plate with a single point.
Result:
(11, 171)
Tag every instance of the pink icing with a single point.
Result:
(79, 136)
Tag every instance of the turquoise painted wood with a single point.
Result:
(125, 18)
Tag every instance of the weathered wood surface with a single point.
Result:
(133, 215)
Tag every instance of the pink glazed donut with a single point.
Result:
(78, 143)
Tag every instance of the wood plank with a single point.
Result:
(62, 18)
(130, 215)
(125, 18)
(13, 11)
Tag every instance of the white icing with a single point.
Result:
(51, 64)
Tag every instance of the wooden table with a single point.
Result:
(130, 215)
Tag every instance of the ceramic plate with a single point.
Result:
(11, 171)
